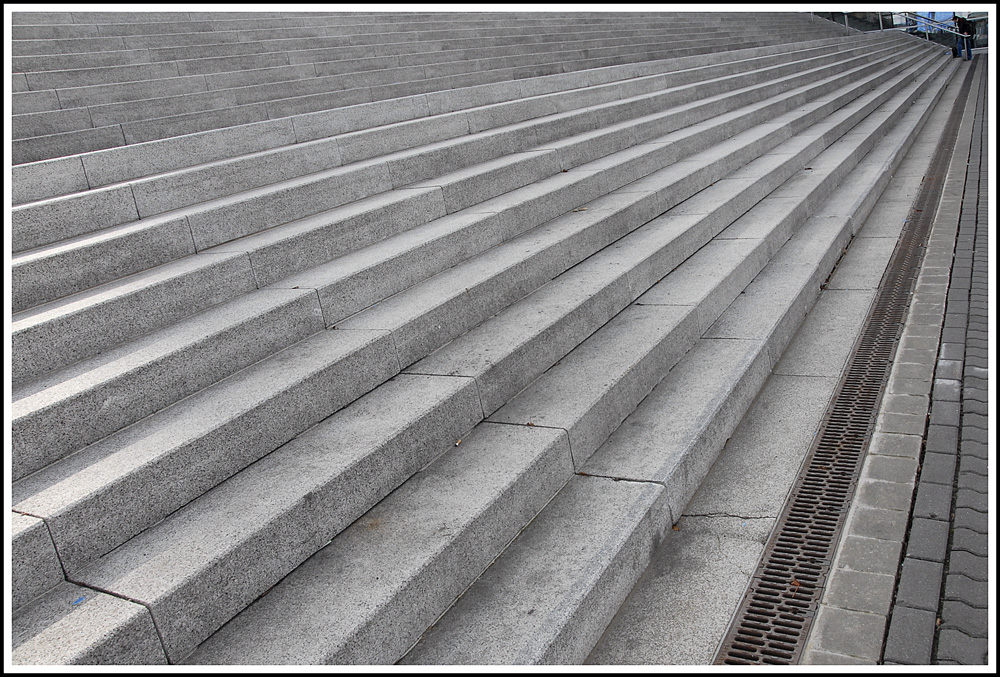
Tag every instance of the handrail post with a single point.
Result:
(880, 21)
(847, 28)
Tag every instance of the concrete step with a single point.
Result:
(484, 285)
(291, 503)
(26, 329)
(114, 165)
(35, 566)
(138, 99)
(240, 640)
(106, 630)
(34, 148)
(307, 95)
(103, 168)
(139, 378)
(520, 621)
(308, 50)
(203, 423)
(62, 332)
(346, 35)
(57, 268)
(412, 336)
(502, 367)
(88, 500)
(335, 25)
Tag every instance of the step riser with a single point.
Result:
(583, 513)
(54, 220)
(584, 307)
(28, 47)
(290, 39)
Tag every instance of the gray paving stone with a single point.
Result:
(914, 355)
(909, 386)
(968, 498)
(938, 468)
(953, 334)
(942, 439)
(973, 447)
(910, 636)
(914, 405)
(968, 564)
(980, 435)
(860, 591)
(852, 633)
(970, 541)
(891, 469)
(973, 482)
(892, 495)
(968, 518)
(919, 584)
(893, 444)
(945, 413)
(876, 522)
(928, 539)
(904, 424)
(964, 618)
(932, 501)
(947, 390)
(952, 351)
(973, 464)
(964, 650)
(964, 589)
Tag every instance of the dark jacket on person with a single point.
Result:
(963, 26)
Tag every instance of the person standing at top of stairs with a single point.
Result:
(967, 31)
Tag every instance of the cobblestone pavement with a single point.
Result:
(941, 604)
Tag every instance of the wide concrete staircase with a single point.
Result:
(377, 338)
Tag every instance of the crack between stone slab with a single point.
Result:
(726, 514)
(613, 478)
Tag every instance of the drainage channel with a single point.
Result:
(774, 618)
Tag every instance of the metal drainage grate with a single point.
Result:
(774, 617)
